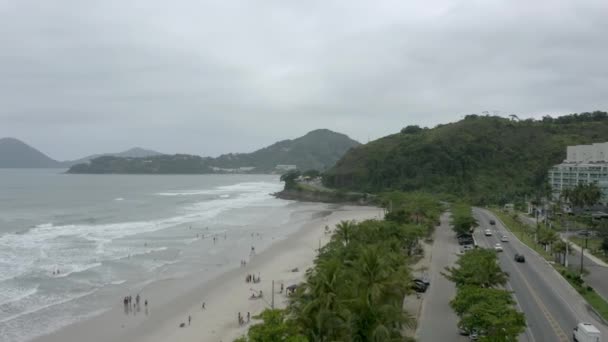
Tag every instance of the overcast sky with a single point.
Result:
(207, 77)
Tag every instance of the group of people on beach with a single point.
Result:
(242, 319)
(131, 305)
(251, 278)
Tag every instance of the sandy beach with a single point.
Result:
(171, 302)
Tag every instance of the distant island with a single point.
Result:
(14, 153)
(318, 150)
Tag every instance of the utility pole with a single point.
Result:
(272, 302)
(567, 243)
(583, 252)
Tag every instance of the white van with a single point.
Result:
(586, 332)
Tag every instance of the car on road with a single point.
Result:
(519, 257)
(488, 232)
(498, 247)
(492, 222)
(504, 238)
(586, 332)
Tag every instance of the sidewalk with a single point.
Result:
(588, 255)
(412, 304)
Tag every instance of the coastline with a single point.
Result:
(172, 301)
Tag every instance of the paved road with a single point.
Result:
(552, 307)
(598, 274)
(437, 320)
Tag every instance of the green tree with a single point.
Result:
(312, 173)
(494, 322)
(274, 328)
(468, 296)
(344, 231)
(462, 218)
(290, 179)
(478, 267)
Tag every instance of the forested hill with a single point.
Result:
(319, 149)
(487, 158)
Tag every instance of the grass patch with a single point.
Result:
(592, 297)
(594, 246)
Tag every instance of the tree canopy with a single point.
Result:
(483, 159)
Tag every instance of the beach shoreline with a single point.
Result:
(172, 301)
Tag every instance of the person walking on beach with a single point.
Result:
(189, 319)
(203, 306)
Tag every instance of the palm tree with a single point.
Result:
(379, 291)
(344, 231)
(318, 306)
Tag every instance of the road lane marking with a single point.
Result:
(554, 325)
(557, 329)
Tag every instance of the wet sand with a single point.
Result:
(172, 301)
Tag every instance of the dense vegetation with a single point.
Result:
(483, 308)
(482, 305)
(164, 164)
(356, 288)
(488, 159)
(319, 150)
(463, 221)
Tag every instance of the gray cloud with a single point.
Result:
(209, 77)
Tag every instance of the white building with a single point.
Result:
(583, 164)
(281, 167)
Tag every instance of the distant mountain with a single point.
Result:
(17, 154)
(319, 149)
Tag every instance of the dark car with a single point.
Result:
(423, 281)
(419, 285)
(519, 257)
(492, 222)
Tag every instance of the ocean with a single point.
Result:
(72, 246)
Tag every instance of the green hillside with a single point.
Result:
(486, 158)
(319, 149)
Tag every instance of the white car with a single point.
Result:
(504, 238)
(498, 247)
(488, 232)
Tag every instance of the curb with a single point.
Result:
(560, 276)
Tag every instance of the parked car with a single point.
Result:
(468, 248)
(424, 281)
(419, 286)
(465, 241)
(519, 257)
(492, 222)
(488, 232)
(498, 247)
(504, 238)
